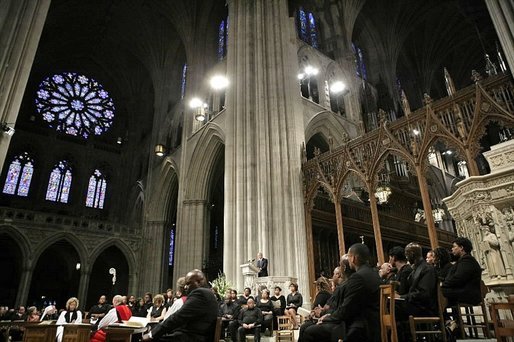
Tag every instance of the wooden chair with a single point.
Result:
(387, 319)
(472, 319)
(414, 322)
(503, 326)
(284, 332)
(217, 330)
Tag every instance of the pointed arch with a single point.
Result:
(327, 125)
(167, 184)
(127, 252)
(72, 239)
(208, 149)
(20, 238)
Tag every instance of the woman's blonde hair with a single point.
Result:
(158, 298)
(69, 301)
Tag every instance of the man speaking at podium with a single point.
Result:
(262, 264)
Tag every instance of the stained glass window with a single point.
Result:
(96, 190)
(222, 39)
(19, 176)
(59, 184)
(359, 61)
(183, 85)
(172, 246)
(307, 29)
(75, 104)
(313, 34)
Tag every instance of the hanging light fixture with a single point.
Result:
(383, 190)
(200, 109)
(160, 150)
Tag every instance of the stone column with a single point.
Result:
(21, 24)
(193, 237)
(310, 247)
(502, 14)
(263, 189)
(24, 286)
(154, 243)
(85, 273)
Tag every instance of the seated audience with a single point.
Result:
(430, 258)
(148, 298)
(140, 309)
(279, 302)
(266, 306)
(386, 273)
(229, 310)
(99, 310)
(462, 284)
(400, 268)
(20, 314)
(49, 313)
(214, 290)
(118, 313)
(421, 298)
(70, 315)
(293, 302)
(169, 298)
(248, 323)
(32, 314)
(132, 304)
(247, 294)
(355, 317)
(195, 320)
(158, 310)
(442, 262)
(180, 299)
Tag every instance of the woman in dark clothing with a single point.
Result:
(139, 309)
(158, 310)
(266, 306)
(323, 292)
(294, 301)
(442, 262)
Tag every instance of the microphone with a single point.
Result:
(251, 260)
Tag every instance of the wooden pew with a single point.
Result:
(39, 333)
(121, 334)
(76, 332)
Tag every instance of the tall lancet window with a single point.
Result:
(59, 184)
(307, 28)
(19, 176)
(359, 61)
(96, 190)
(222, 39)
(184, 79)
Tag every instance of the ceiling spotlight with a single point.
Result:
(309, 70)
(195, 103)
(119, 140)
(219, 82)
(301, 76)
(160, 150)
(337, 87)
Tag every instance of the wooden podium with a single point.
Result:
(250, 272)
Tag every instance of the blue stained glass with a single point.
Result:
(221, 40)
(59, 183)
(184, 76)
(362, 65)
(19, 176)
(96, 190)
(26, 177)
(12, 177)
(172, 247)
(313, 33)
(303, 24)
(75, 99)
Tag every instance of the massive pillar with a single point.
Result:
(263, 190)
(21, 24)
(502, 14)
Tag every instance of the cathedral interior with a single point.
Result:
(144, 138)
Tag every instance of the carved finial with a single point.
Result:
(450, 86)
(475, 76)
(414, 147)
(330, 142)
(405, 103)
(382, 116)
(427, 100)
(490, 68)
(501, 63)
(317, 151)
(304, 153)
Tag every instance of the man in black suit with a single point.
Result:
(421, 298)
(356, 317)
(462, 284)
(194, 321)
(262, 264)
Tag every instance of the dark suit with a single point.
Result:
(263, 265)
(357, 306)
(194, 321)
(462, 284)
(421, 299)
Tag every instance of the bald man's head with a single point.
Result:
(195, 279)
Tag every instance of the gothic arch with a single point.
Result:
(72, 239)
(166, 184)
(127, 252)
(20, 238)
(207, 150)
(327, 125)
